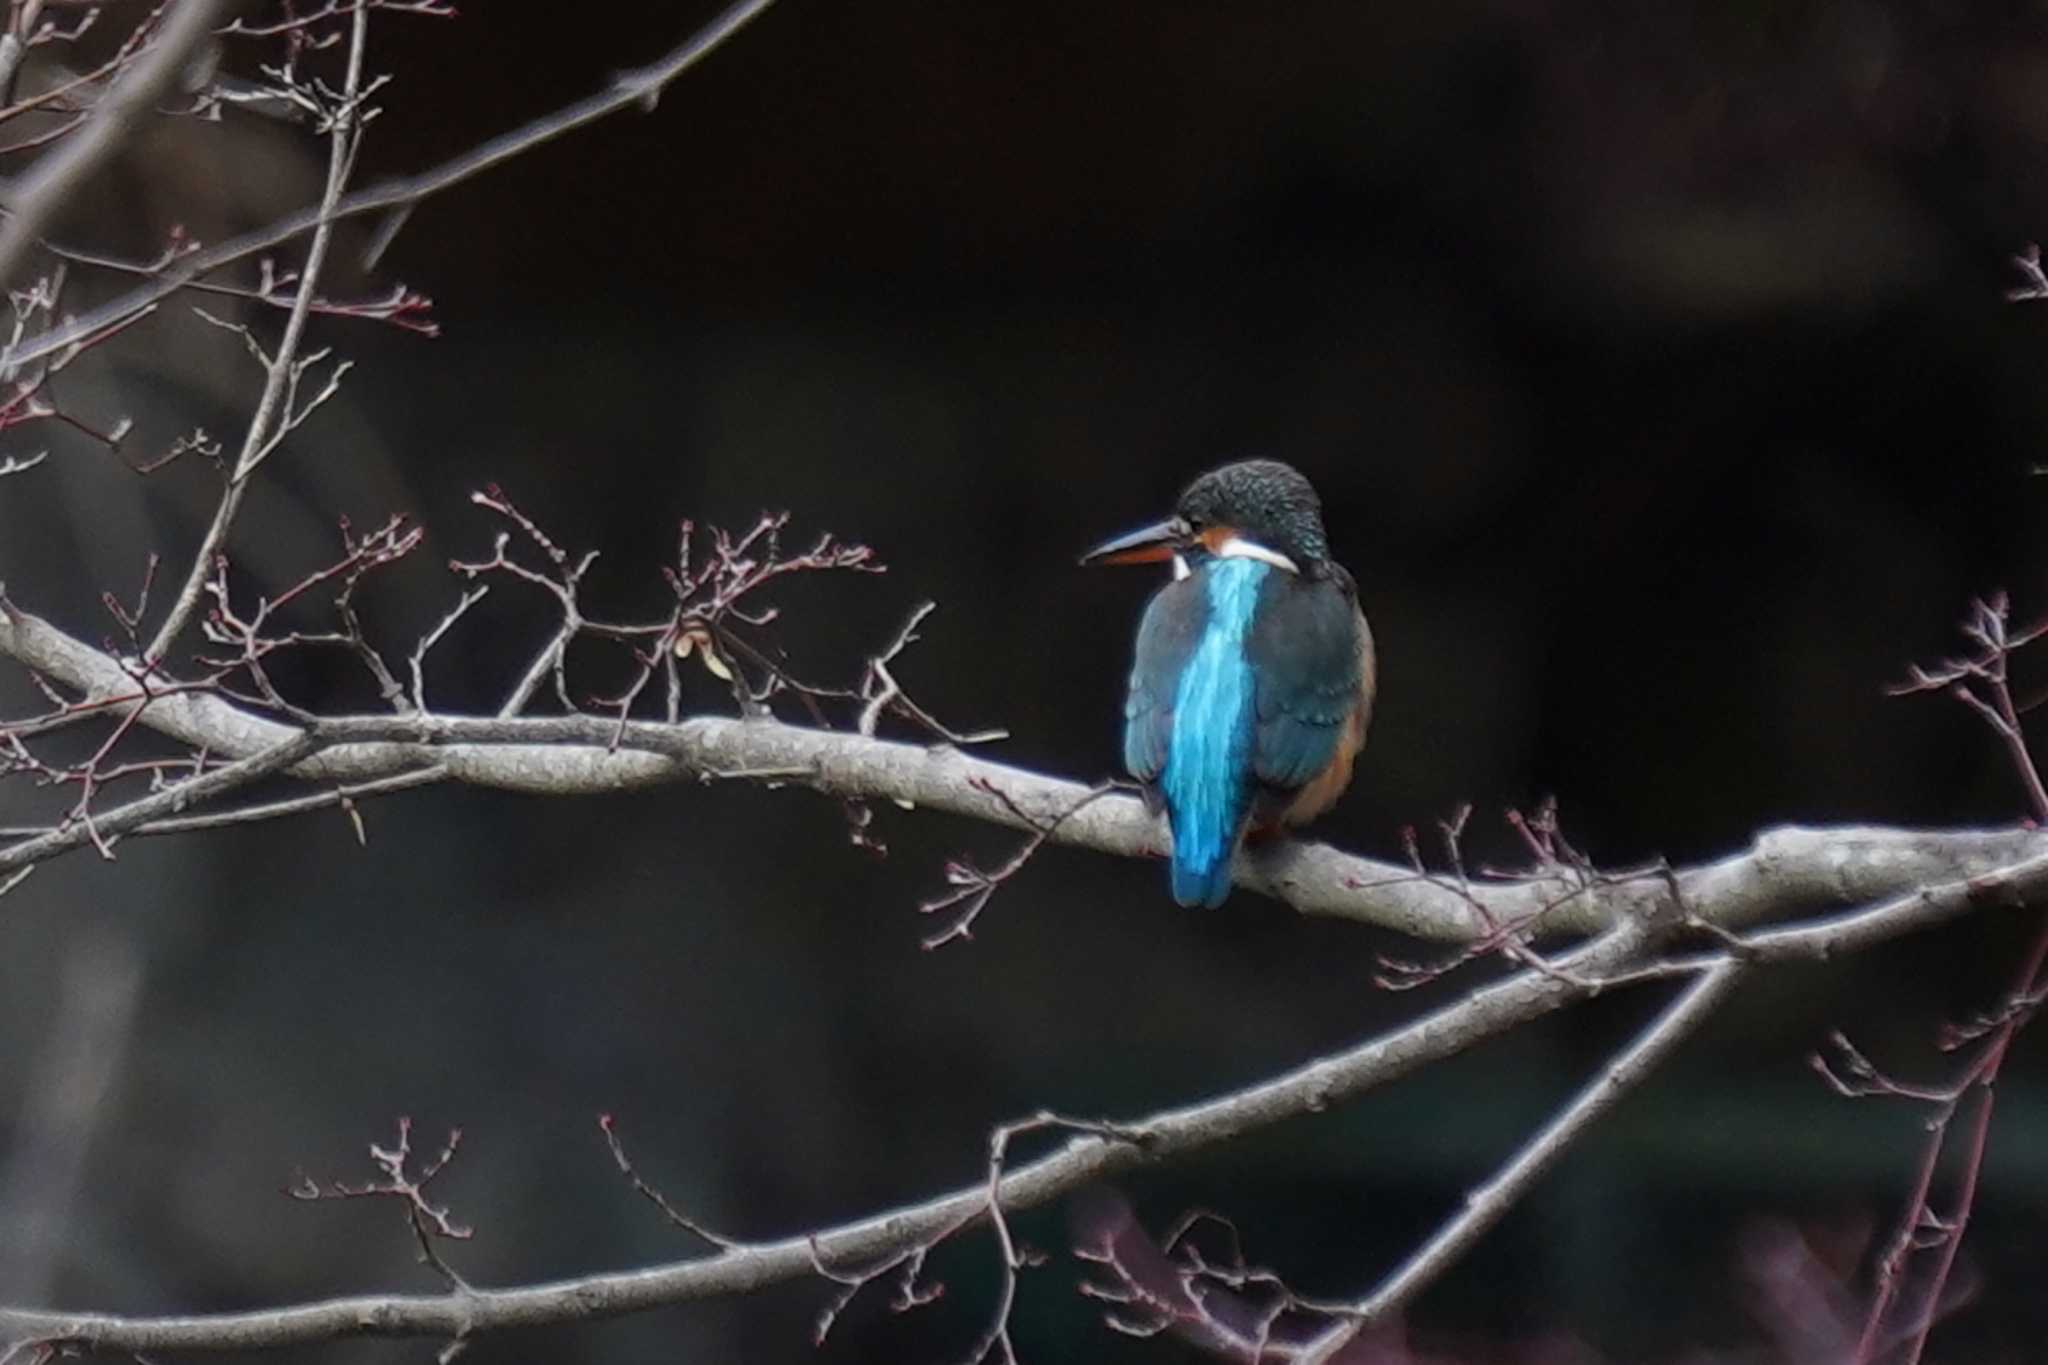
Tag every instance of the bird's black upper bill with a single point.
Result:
(1146, 545)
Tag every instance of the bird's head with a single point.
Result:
(1254, 509)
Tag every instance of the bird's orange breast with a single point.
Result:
(1321, 791)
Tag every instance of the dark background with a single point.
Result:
(1654, 367)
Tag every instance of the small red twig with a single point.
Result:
(427, 1219)
(60, 94)
(1982, 681)
(28, 394)
(1893, 1323)
(1552, 859)
(654, 1196)
(716, 592)
(906, 1268)
(252, 635)
(399, 306)
(335, 9)
(1214, 1299)
(973, 886)
(717, 617)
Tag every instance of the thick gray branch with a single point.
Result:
(1787, 869)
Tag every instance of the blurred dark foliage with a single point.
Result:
(1654, 367)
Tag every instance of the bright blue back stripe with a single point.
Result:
(1208, 758)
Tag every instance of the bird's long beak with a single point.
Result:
(1146, 545)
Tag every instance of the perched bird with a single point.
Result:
(1253, 675)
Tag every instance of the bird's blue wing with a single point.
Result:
(1304, 649)
(1166, 638)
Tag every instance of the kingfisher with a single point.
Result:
(1252, 679)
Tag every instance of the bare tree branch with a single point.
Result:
(747, 1266)
(274, 416)
(1640, 914)
(102, 829)
(1786, 869)
(1709, 927)
(1923, 878)
(34, 199)
(1489, 1203)
(627, 89)
(343, 797)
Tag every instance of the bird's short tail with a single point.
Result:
(1206, 820)
(1201, 876)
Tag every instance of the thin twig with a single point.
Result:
(646, 1191)
(344, 797)
(274, 409)
(427, 1220)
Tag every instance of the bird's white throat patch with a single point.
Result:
(1237, 547)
